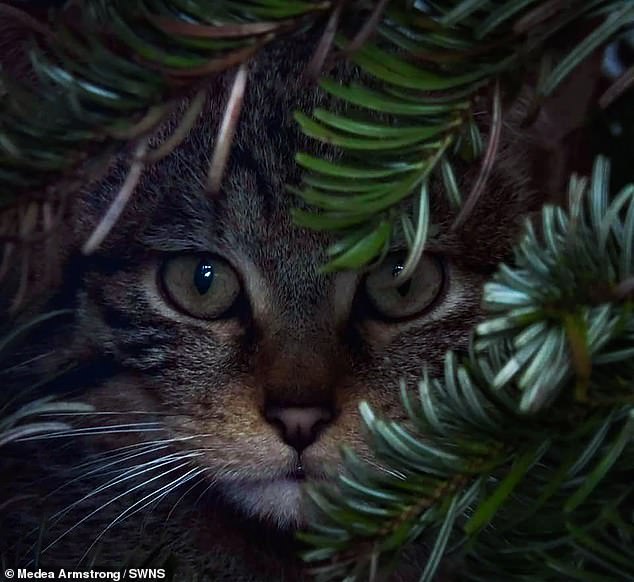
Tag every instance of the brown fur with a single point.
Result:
(298, 337)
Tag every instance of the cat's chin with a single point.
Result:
(278, 502)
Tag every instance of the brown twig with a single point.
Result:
(227, 131)
(25, 19)
(314, 67)
(181, 132)
(624, 289)
(191, 29)
(614, 91)
(368, 29)
(487, 162)
(119, 203)
(19, 295)
(219, 64)
(28, 220)
(27, 224)
(7, 252)
(148, 122)
(539, 14)
(49, 222)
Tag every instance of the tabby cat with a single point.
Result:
(224, 368)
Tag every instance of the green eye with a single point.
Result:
(411, 298)
(201, 286)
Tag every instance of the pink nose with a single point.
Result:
(299, 425)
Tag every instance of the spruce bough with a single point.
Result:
(517, 463)
(520, 461)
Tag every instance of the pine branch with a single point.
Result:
(430, 61)
(518, 459)
(108, 73)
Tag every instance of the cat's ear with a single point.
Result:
(541, 142)
(557, 125)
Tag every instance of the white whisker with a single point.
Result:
(121, 451)
(111, 413)
(195, 484)
(121, 455)
(118, 426)
(150, 443)
(90, 432)
(204, 492)
(128, 474)
(26, 363)
(124, 457)
(103, 506)
(153, 496)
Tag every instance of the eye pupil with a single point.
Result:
(396, 269)
(398, 298)
(203, 276)
(403, 289)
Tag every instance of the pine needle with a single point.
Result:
(487, 163)
(120, 202)
(227, 130)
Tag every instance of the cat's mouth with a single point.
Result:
(297, 474)
(279, 501)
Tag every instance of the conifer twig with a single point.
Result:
(487, 162)
(318, 59)
(181, 132)
(620, 86)
(368, 29)
(120, 202)
(227, 129)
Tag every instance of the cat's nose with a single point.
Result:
(298, 425)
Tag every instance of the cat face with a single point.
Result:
(216, 322)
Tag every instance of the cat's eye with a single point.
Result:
(202, 286)
(413, 296)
